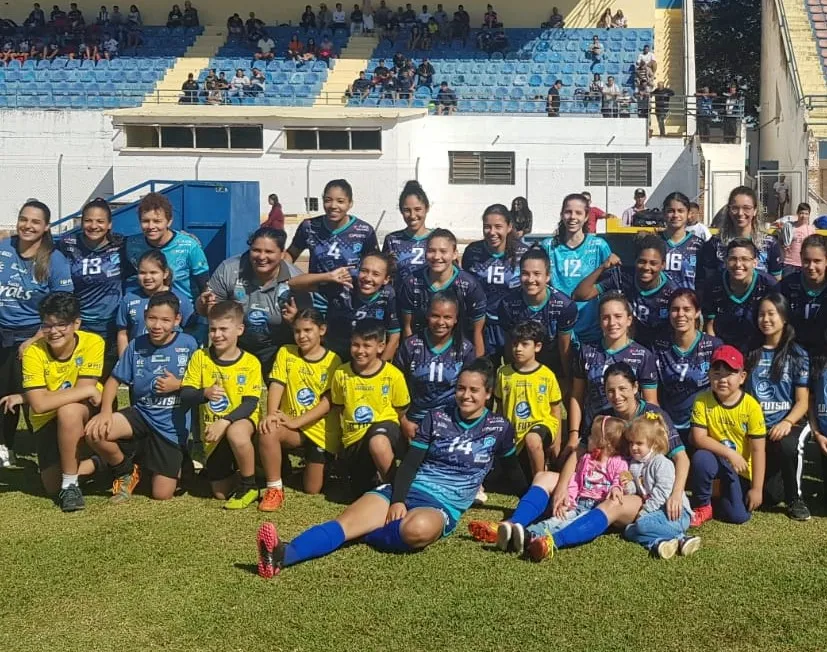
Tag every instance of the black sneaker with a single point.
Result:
(798, 511)
(70, 499)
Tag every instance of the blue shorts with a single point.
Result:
(494, 339)
(417, 498)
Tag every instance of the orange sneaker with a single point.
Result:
(124, 485)
(483, 531)
(271, 500)
(701, 515)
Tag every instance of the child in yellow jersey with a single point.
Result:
(529, 396)
(298, 409)
(227, 382)
(372, 396)
(60, 385)
(729, 433)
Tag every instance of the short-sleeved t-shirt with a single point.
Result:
(819, 386)
(682, 260)
(305, 382)
(733, 426)
(557, 313)
(497, 273)
(526, 399)
(130, 315)
(778, 396)
(41, 370)
(459, 455)
(346, 309)
(713, 258)
(185, 257)
(806, 310)
(21, 293)
(408, 251)
(240, 379)
(366, 400)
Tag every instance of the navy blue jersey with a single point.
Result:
(682, 260)
(650, 307)
(735, 317)
(713, 258)
(140, 366)
(347, 308)
(557, 314)
(496, 273)
(806, 313)
(408, 251)
(329, 250)
(819, 388)
(683, 375)
(778, 396)
(591, 364)
(21, 293)
(676, 444)
(459, 456)
(417, 292)
(185, 257)
(431, 373)
(97, 278)
(130, 313)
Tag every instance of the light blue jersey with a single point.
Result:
(185, 258)
(778, 396)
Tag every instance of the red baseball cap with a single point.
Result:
(730, 356)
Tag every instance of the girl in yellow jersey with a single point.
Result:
(298, 409)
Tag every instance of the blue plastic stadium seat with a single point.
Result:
(44, 64)
(495, 106)
(535, 81)
(501, 92)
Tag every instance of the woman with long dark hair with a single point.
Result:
(806, 290)
(408, 245)
(682, 246)
(522, 219)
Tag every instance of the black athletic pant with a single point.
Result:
(11, 378)
(785, 464)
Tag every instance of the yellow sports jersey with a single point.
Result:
(41, 370)
(526, 399)
(366, 400)
(732, 426)
(305, 382)
(239, 379)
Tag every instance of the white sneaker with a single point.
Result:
(481, 498)
(517, 538)
(5, 462)
(690, 545)
(668, 549)
(503, 535)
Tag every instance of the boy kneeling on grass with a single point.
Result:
(227, 383)
(155, 428)
(60, 383)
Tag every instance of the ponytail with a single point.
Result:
(43, 256)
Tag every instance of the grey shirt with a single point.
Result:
(652, 479)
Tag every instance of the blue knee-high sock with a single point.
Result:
(388, 538)
(586, 528)
(318, 541)
(531, 506)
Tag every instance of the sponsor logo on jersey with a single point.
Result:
(219, 405)
(306, 397)
(729, 444)
(15, 292)
(66, 384)
(363, 414)
(523, 410)
(157, 357)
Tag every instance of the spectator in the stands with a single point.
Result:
(387, 91)
(408, 16)
(257, 83)
(254, 27)
(663, 96)
(619, 20)
(490, 20)
(405, 85)
(339, 17)
(110, 47)
(295, 49)
(446, 100)
(56, 14)
(611, 92)
(643, 75)
(595, 88)
(431, 34)
(135, 15)
(235, 26)
(190, 88)
(103, 16)
(424, 15)
(175, 17)
(381, 17)
(639, 205)
(733, 111)
(425, 74)
(357, 20)
(605, 21)
(415, 38)
(275, 219)
(360, 88)
(190, 18)
(326, 49)
(380, 72)
(595, 50)
(368, 20)
(642, 96)
(265, 46)
(223, 84)
(441, 19)
(647, 58)
(324, 18)
(499, 41)
(391, 32)
(36, 20)
(553, 99)
(555, 21)
(594, 213)
(238, 83)
(308, 20)
(75, 15)
(215, 94)
(311, 50)
(134, 34)
(117, 22)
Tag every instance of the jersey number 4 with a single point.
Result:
(91, 266)
(461, 446)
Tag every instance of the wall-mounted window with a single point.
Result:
(618, 170)
(481, 168)
(201, 137)
(351, 139)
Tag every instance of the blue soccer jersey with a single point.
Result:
(650, 307)
(778, 396)
(819, 388)
(713, 258)
(431, 373)
(735, 316)
(459, 456)
(683, 374)
(130, 316)
(496, 273)
(97, 278)
(682, 260)
(806, 313)
(408, 251)
(329, 250)
(347, 308)
(185, 258)
(21, 293)
(569, 266)
(674, 442)
(557, 314)
(140, 366)
(591, 364)
(417, 292)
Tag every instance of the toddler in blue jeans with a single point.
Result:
(653, 477)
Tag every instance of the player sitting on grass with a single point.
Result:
(154, 429)
(227, 382)
(60, 384)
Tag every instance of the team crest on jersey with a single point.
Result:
(357, 247)
(704, 368)
(542, 389)
(489, 441)
(115, 258)
(183, 359)
(241, 379)
(323, 378)
(65, 385)
(79, 361)
(386, 389)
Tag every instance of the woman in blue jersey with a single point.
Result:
(495, 262)
(94, 257)
(647, 288)
(442, 275)
(30, 268)
(407, 246)
(742, 220)
(336, 240)
(818, 406)
(682, 247)
(779, 377)
(806, 290)
(431, 361)
(683, 360)
(574, 254)
(436, 483)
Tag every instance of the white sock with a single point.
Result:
(277, 484)
(68, 480)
